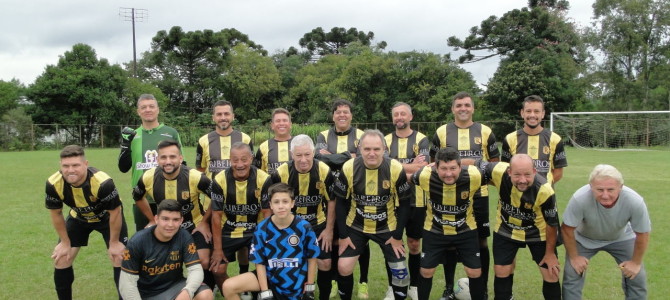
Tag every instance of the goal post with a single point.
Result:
(615, 130)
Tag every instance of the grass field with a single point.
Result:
(28, 237)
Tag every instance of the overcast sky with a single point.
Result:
(35, 32)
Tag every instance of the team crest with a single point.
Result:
(126, 255)
(545, 150)
(151, 156)
(319, 185)
(465, 194)
(386, 184)
(293, 240)
(527, 205)
(191, 248)
(257, 193)
(174, 255)
(478, 140)
(356, 143)
(91, 198)
(416, 149)
(185, 195)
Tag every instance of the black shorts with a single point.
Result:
(200, 242)
(79, 231)
(360, 240)
(505, 249)
(414, 226)
(481, 209)
(276, 296)
(436, 246)
(318, 229)
(231, 245)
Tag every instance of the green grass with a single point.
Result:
(28, 237)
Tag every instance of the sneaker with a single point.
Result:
(448, 294)
(389, 294)
(246, 296)
(363, 290)
(333, 289)
(412, 293)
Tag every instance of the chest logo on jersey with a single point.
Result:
(185, 195)
(319, 185)
(527, 205)
(257, 193)
(191, 248)
(465, 194)
(545, 150)
(416, 149)
(174, 255)
(478, 140)
(126, 255)
(386, 184)
(91, 198)
(293, 240)
(151, 156)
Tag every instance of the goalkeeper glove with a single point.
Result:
(127, 135)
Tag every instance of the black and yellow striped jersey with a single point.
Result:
(475, 142)
(88, 202)
(449, 210)
(272, 153)
(546, 149)
(372, 195)
(240, 201)
(186, 189)
(213, 151)
(406, 149)
(339, 144)
(522, 216)
(312, 190)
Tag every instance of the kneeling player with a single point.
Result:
(284, 250)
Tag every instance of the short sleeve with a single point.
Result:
(108, 195)
(52, 200)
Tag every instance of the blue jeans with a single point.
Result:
(573, 283)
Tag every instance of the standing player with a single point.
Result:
(527, 217)
(153, 260)
(473, 141)
(312, 182)
(239, 193)
(172, 180)
(138, 148)
(541, 144)
(450, 220)
(275, 151)
(411, 149)
(95, 205)
(284, 250)
(372, 204)
(605, 215)
(334, 147)
(213, 153)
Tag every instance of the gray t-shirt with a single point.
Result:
(598, 226)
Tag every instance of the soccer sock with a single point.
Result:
(450, 260)
(209, 279)
(63, 279)
(388, 272)
(244, 268)
(414, 266)
(117, 275)
(551, 290)
(399, 292)
(476, 287)
(346, 287)
(335, 258)
(323, 279)
(364, 264)
(502, 287)
(424, 286)
(486, 263)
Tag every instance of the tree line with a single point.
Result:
(619, 62)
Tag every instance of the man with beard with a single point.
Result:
(172, 180)
(95, 205)
(411, 149)
(275, 151)
(239, 195)
(138, 148)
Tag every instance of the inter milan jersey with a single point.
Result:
(158, 264)
(312, 190)
(88, 202)
(240, 201)
(338, 143)
(186, 189)
(406, 149)
(546, 149)
(522, 216)
(271, 154)
(374, 194)
(449, 209)
(284, 253)
(143, 153)
(213, 151)
(474, 142)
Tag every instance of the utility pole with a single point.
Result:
(134, 15)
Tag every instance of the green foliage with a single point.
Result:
(16, 130)
(10, 92)
(320, 42)
(80, 89)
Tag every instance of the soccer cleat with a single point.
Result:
(363, 290)
(389, 294)
(448, 294)
(412, 293)
(333, 289)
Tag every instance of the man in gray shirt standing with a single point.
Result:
(605, 215)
